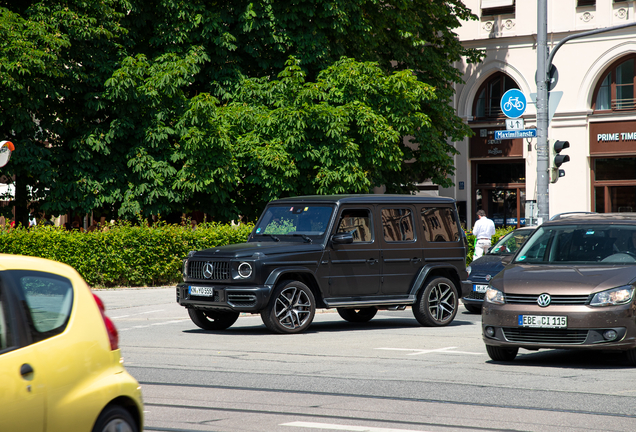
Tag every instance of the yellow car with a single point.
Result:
(60, 365)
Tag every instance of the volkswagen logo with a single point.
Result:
(488, 277)
(208, 270)
(544, 300)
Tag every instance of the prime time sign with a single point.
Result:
(613, 138)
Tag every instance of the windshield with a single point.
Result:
(510, 243)
(309, 220)
(581, 244)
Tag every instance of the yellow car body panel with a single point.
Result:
(76, 373)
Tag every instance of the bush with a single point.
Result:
(122, 254)
(499, 233)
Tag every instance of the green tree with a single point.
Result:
(161, 97)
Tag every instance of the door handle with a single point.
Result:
(26, 370)
(416, 260)
(372, 261)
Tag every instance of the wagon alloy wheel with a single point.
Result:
(357, 315)
(213, 320)
(291, 308)
(437, 303)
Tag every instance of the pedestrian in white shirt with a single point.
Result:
(483, 230)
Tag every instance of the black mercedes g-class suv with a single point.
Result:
(355, 253)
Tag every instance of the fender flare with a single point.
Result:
(425, 271)
(275, 275)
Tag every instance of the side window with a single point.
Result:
(6, 334)
(397, 224)
(440, 224)
(357, 222)
(48, 298)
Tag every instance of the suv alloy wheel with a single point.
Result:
(436, 304)
(291, 308)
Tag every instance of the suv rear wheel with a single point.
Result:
(357, 315)
(213, 320)
(291, 308)
(436, 304)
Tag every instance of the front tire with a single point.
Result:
(211, 319)
(357, 315)
(436, 304)
(291, 308)
(115, 419)
(501, 354)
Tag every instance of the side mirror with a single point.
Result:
(342, 238)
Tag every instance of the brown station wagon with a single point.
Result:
(570, 286)
(354, 253)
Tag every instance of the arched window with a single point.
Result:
(486, 104)
(615, 91)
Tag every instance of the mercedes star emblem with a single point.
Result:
(208, 270)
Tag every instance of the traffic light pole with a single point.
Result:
(544, 63)
(543, 182)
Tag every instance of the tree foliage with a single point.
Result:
(157, 107)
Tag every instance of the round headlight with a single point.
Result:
(245, 270)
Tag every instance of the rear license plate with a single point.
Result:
(480, 288)
(201, 291)
(540, 321)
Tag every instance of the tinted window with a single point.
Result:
(48, 298)
(295, 218)
(397, 224)
(357, 222)
(440, 224)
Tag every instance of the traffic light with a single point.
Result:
(557, 159)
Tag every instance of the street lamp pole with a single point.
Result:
(543, 182)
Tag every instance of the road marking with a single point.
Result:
(140, 313)
(154, 324)
(446, 350)
(345, 427)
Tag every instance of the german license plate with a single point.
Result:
(541, 321)
(480, 288)
(201, 291)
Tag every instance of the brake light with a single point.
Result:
(113, 336)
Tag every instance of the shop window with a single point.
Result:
(486, 105)
(615, 91)
(497, 7)
(498, 173)
(615, 169)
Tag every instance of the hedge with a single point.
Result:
(122, 254)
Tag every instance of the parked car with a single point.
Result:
(570, 286)
(484, 268)
(60, 365)
(354, 253)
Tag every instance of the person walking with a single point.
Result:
(483, 230)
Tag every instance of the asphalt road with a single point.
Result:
(388, 375)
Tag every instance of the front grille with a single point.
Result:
(243, 300)
(475, 295)
(220, 272)
(554, 299)
(547, 336)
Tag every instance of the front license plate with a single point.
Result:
(480, 288)
(201, 291)
(540, 321)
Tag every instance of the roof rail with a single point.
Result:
(566, 214)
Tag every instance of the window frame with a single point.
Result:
(611, 72)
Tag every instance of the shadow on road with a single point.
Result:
(570, 359)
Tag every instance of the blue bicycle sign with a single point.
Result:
(513, 103)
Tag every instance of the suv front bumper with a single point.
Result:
(228, 298)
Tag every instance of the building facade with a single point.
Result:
(596, 110)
